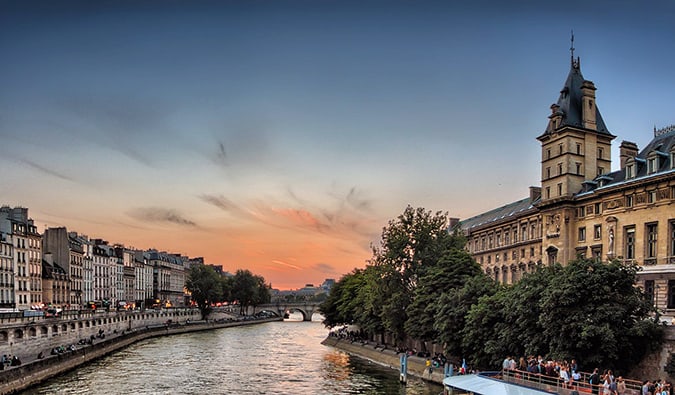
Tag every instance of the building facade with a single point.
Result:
(582, 208)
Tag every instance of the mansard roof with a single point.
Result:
(509, 211)
(662, 144)
(570, 104)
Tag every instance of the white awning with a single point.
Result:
(483, 385)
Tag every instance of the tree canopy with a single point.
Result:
(421, 283)
(208, 287)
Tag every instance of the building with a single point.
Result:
(19, 230)
(168, 278)
(582, 208)
(68, 253)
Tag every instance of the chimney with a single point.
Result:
(627, 150)
(535, 194)
(452, 223)
(588, 105)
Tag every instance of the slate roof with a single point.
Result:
(507, 211)
(569, 101)
(663, 143)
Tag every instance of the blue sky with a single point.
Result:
(281, 136)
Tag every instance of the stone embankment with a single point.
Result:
(36, 370)
(386, 357)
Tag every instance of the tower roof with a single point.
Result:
(569, 103)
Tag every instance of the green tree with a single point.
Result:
(410, 244)
(595, 313)
(449, 273)
(453, 308)
(249, 290)
(204, 283)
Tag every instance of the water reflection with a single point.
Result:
(274, 358)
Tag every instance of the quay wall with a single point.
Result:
(26, 337)
(386, 357)
(28, 374)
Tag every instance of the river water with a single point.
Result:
(272, 358)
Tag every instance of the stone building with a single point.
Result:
(582, 208)
(168, 278)
(19, 230)
(69, 254)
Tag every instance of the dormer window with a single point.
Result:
(630, 170)
(652, 163)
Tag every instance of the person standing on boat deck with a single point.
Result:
(620, 386)
(594, 381)
(506, 364)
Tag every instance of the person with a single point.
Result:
(564, 376)
(594, 381)
(620, 386)
(428, 365)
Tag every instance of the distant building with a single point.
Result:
(68, 253)
(19, 230)
(582, 208)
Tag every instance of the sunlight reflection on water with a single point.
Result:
(273, 358)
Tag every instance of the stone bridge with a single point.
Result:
(283, 308)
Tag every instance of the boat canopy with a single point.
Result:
(483, 384)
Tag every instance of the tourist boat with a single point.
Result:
(515, 382)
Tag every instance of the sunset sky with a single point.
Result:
(281, 136)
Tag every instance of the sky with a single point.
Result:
(282, 136)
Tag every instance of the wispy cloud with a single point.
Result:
(278, 262)
(158, 214)
(45, 170)
(324, 268)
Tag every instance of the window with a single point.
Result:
(629, 242)
(531, 252)
(649, 290)
(630, 171)
(582, 234)
(629, 201)
(548, 192)
(548, 154)
(597, 232)
(560, 189)
(548, 172)
(578, 149)
(514, 255)
(596, 252)
(651, 233)
(560, 151)
(523, 233)
(671, 294)
(559, 169)
(578, 165)
(496, 258)
(601, 171)
(600, 152)
(581, 212)
(652, 165)
(651, 196)
(672, 238)
(598, 208)
(506, 256)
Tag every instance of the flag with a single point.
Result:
(463, 366)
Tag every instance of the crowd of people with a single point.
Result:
(568, 375)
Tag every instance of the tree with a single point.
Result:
(249, 290)
(449, 273)
(595, 313)
(410, 244)
(453, 308)
(204, 283)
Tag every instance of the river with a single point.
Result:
(273, 358)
